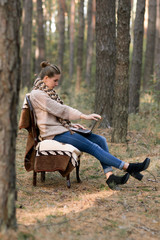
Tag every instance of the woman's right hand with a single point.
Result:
(92, 116)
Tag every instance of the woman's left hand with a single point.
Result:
(78, 126)
(92, 116)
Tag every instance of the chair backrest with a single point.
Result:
(35, 130)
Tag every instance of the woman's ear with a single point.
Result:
(45, 78)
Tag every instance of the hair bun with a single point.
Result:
(44, 64)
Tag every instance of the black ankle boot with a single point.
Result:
(136, 168)
(113, 180)
(137, 175)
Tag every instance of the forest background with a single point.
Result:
(69, 34)
(109, 53)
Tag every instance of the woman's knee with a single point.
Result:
(103, 139)
(104, 143)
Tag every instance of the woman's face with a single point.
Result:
(51, 82)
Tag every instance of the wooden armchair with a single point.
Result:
(46, 163)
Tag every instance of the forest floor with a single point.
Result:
(90, 210)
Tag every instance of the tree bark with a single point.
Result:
(157, 43)
(72, 25)
(26, 43)
(40, 48)
(61, 30)
(10, 14)
(80, 44)
(49, 10)
(157, 55)
(105, 59)
(150, 46)
(121, 86)
(90, 39)
(136, 67)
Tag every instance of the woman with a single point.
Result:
(53, 120)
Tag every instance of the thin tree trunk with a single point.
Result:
(40, 49)
(26, 43)
(132, 20)
(10, 14)
(146, 19)
(105, 58)
(80, 44)
(90, 39)
(121, 86)
(150, 47)
(157, 42)
(72, 25)
(136, 67)
(157, 54)
(48, 13)
(61, 30)
(34, 36)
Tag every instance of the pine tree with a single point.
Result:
(10, 14)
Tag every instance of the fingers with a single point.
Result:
(95, 116)
(79, 126)
(92, 116)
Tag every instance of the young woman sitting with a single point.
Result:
(53, 119)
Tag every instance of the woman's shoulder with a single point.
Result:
(37, 93)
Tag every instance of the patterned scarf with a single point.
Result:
(39, 84)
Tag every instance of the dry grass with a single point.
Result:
(91, 210)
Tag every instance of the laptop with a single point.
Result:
(94, 126)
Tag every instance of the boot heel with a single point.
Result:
(137, 175)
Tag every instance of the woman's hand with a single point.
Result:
(78, 126)
(92, 116)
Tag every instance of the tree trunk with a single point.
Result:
(72, 25)
(157, 54)
(132, 20)
(150, 47)
(26, 43)
(34, 36)
(10, 14)
(121, 86)
(80, 44)
(136, 67)
(157, 43)
(146, 19)
(90, 39)
(61, 30)
(49, 10)
(105, 59)
(40, 49)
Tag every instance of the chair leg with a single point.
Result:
(43, 177)
(77, 172)
(68, 181)
(34, 178)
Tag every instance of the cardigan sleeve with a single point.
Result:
(41, 100)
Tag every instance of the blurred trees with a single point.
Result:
(150, 46)
(90, 39)
(63, 32)
(157, 56)
(72, 33)
(40, 43)
(26, 43)
(80, 41)
(136, 66)
(10, 14)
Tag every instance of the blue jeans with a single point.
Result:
(93, 144)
